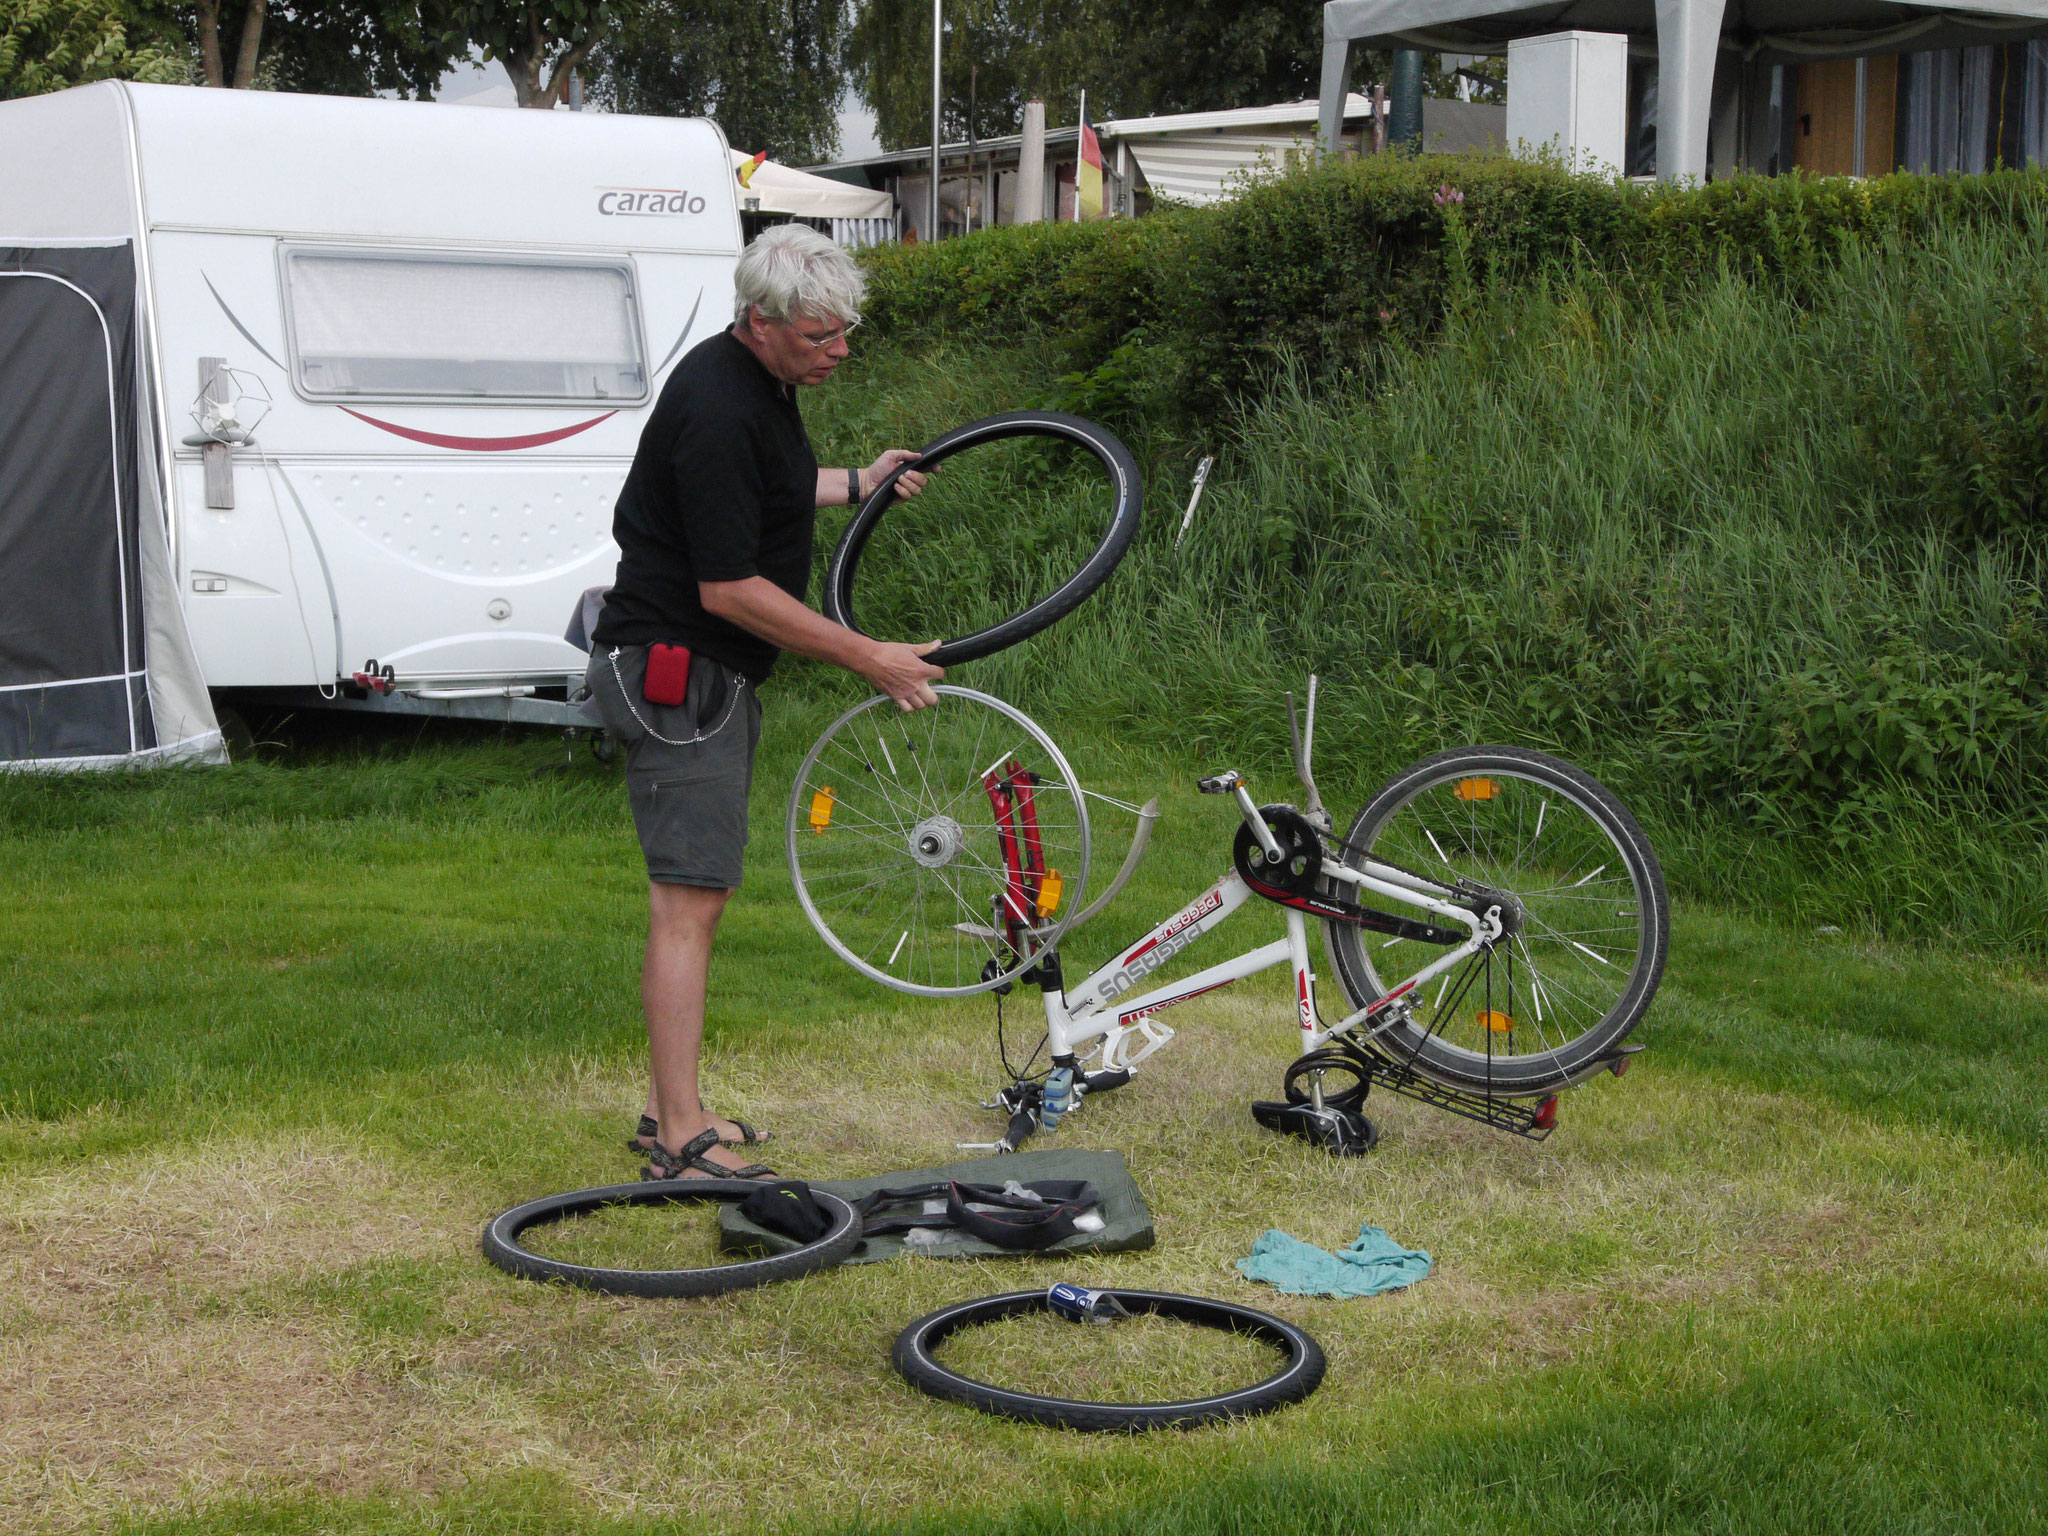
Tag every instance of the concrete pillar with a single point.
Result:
(1688, 44)
(1031, 166)
(1336, 86)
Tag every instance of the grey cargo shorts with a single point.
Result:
(689, 796)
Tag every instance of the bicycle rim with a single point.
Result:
(1127, 497)
(1300, 1373)
(1546, 1006)
(897, 846)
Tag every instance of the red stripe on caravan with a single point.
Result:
(482, 444)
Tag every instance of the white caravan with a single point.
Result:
(459, 318)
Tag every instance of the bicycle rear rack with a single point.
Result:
(1516, 1116)
(1534, 1119)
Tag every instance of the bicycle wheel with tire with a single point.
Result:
(915, 840)
(1127, 497)
(504, 1249)
(1547, 1005)
(1299, 1375)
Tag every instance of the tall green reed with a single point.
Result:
(1687, 538)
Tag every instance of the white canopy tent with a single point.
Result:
(1688, 37)
(778, 189)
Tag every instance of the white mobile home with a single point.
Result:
(393, 358)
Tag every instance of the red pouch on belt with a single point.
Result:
(668, 674)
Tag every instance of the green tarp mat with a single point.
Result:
(1127, 1224)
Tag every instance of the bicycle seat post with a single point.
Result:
(1304, 750)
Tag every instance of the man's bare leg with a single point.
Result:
(682, 921)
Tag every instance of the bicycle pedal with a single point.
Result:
(1221, 783)
(1342, 1132)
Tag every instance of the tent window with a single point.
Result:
(434, 327)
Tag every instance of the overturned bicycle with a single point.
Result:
(1496, 922)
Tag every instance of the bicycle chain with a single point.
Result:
(1457, 883)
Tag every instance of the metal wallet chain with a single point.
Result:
(627, 694)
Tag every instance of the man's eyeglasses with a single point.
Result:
(820, 343)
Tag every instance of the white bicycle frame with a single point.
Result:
(1098, 1010)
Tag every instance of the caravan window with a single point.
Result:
(424, 326)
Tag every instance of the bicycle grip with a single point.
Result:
(1022, 1124)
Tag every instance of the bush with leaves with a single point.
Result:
(1976, 418)
(1321, 264)
(50, 45)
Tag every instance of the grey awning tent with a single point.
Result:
(96, 668)
(1688, 38)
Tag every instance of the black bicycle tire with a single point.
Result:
(1352, 1098)
(1055, 605)
(502, 1247)
(1302, 1374)
(1586, 1054)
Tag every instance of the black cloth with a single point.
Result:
(724, 486)
(989, 1211)
(787, 1206)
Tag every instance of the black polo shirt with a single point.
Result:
(723, 486)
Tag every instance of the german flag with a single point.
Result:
(1090, 201)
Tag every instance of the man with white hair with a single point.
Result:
(714, 529)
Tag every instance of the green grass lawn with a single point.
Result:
(279, 1039)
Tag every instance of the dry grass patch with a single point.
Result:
(316, 1319)
(128, 1373)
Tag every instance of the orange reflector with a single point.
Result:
(1499, 1023)
(821, 809)
(1049, 890)
(1477, 789)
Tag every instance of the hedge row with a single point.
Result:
(1318, 263)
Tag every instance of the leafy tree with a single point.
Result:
(1016, 49)
(1135, 59)
(540, 44)
(353, 48)
(1208, 55)
(47, 45)
(768, 70)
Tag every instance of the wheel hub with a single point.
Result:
(1514, 916)
(936, 841)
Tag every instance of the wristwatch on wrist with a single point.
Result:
(853, 487)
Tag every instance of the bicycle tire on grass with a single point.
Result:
(502, 1246)
(1301, 1375)
(1597, 930)
(1116, 539)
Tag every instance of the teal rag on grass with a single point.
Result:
(1373, 1264)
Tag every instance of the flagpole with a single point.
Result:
(938, 35)
(1079, 129)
